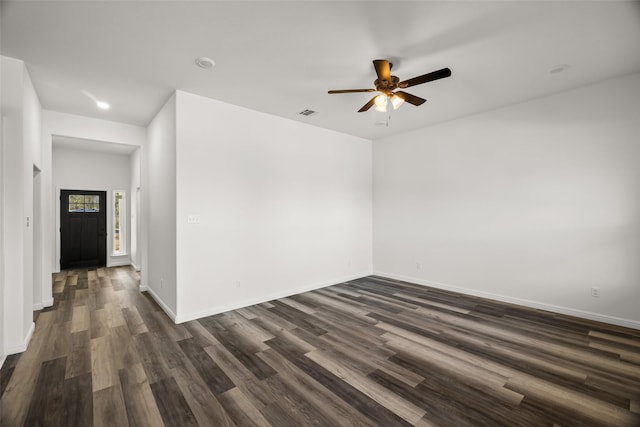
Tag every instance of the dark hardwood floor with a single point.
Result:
(372, 352)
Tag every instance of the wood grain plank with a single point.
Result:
(113, 313)
(154, 364)
(241, 349)
(240, 409)
(45, 403)
(18, 393)
(215, 378)
(335, 408)
(80, 318)
(79, 359)
(123, 346)
(360, 401)
(103, 369)
(173, 407)
(140, 403)
(383, 396)
(134, 321)
(108, 408)
(99, 326)
(204, 405)
(77, 402)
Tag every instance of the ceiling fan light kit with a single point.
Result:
(396, 101)
(382, 102)
(387, 84)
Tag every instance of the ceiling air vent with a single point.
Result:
(307, 112)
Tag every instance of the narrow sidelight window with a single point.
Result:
(119, 211)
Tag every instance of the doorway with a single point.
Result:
(83, 229)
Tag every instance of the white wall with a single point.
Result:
(283, 206)
(94, 170)
(21, 120)
(14, 230)
(159, 207)
(2, 306)
(33, 238)
(534, 203)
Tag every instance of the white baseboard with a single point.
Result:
(118, 263)
(40, 305)
(22, 347)
(144, 288)
(161, 303)
(136, 267)
(181, 318)
(628, 323)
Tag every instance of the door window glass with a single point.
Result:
(82, 203)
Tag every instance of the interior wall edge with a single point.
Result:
(181, 318)
(628, 323)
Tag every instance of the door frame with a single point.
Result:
(58, 240)
(98, 240)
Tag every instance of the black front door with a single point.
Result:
(83, 229)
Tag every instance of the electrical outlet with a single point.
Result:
(161, 283)
(418, 266)
(595, 291)
(238, 284)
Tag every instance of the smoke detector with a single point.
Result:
(204, 62)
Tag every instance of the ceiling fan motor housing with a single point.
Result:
(386, 86)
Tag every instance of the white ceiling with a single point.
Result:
(282, 57)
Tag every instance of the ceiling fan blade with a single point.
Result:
(434, 75)
(383, 69)
(411, 99)
(368, 105)
(351, 90)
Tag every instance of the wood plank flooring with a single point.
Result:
(371, 352)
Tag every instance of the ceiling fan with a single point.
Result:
(386, 84)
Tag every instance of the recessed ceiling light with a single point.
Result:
(558, 68)
(103, 105)
(204, 62)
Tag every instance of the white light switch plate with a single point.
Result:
(193, 219)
